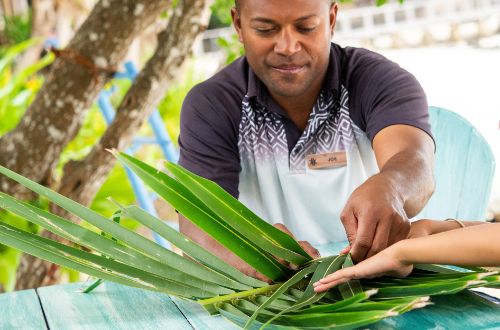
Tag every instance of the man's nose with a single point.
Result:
(287, 43)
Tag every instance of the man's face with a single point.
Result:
(287, 42)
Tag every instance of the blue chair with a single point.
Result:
(464, 169)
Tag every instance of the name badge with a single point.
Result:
(328, 160)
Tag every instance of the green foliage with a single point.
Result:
(382, 2)
(221, 9)
(233, 48)
(133, 260)
(17, 28)
(17, 90)
(9, 258)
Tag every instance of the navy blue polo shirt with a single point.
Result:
(380, 94)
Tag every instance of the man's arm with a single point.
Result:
(376, 214)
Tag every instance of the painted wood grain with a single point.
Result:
(21, 310)
(200, 319)
(110, 306)
(459, 311)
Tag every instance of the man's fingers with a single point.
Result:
(345, 250)
(283, 228)
(399, 231)
(284, 262)
(364, 238)
(350, 224)
(381, 238)
(255, 274)
(250, 271)
(310, 250)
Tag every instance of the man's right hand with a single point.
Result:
(374, 218)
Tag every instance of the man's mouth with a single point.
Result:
(289, 69)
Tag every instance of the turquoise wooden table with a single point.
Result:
(113, 306)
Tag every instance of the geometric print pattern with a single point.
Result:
(262, 135)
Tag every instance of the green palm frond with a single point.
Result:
(128, 258)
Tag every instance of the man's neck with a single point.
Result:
(299, 108)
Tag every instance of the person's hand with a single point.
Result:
(250, 271)
(386, 262)
(310, 250)
(246, 268)
(420, 228)
(426, 227)
(374, 218)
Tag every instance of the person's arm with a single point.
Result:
(470, 246)
(425, 227)
(390, 106)
(376, 214)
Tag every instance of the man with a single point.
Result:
(305, 132)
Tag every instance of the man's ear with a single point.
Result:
(235, 16)
(333, 16)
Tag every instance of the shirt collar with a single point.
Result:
(258, 92)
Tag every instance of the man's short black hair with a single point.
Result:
(237, 4)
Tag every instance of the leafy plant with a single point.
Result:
(17, 28)
(17, 91)
(126, 257)
(232, 47)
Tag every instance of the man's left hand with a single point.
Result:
(374, 218)
(308, 248)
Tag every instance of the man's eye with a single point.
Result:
(264, 31)
(306, 29)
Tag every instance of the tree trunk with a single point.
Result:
(55, 116)
(82, 179)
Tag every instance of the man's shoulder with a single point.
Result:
(361, 54)
(381, 93)
(227, 87)
(355, 61)
(366, 70)
(218, 100)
